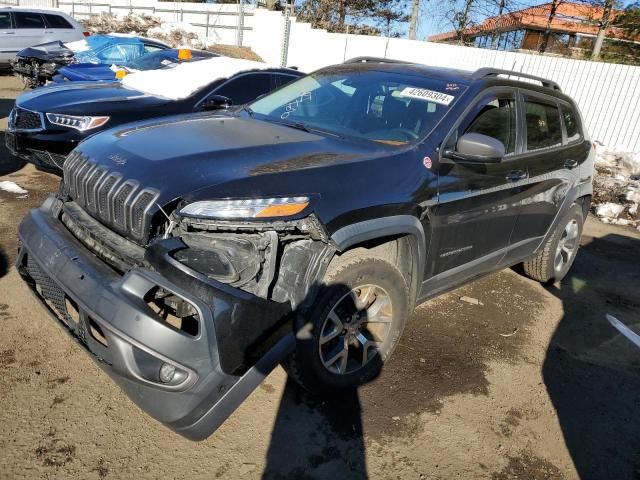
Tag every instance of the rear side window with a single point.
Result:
(544, 129)
(56, 21)
(571, 125)
(28, 20)
(5, 20)
(245, 88)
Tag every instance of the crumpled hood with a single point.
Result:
(218, 156)
(88, 98)
(51, 51)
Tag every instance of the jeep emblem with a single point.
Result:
(119, 159)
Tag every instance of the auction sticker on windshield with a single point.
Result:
(429, 95)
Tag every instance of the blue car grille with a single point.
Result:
(120, 204)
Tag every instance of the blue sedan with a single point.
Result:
(95, 72)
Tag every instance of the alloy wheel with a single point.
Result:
(356, 329)
(567, 245)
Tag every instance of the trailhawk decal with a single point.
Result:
(429, 95)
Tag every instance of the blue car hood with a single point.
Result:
(87, 72)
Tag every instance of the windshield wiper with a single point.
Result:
(248, 109)
(305, 128)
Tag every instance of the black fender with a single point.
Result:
(578, 193)
(376, 228)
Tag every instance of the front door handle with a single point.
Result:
(9, 33)
(515, 175)
(570, 164)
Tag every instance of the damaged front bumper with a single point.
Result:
(240, 337)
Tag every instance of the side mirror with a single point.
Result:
(475, 147)
(216, 102)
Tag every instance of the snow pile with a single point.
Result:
(177, 34)
(173, 34)
(186, 78)
(11, 187)
(616, 186)
(132, 23)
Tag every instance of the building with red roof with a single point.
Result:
(574, 25)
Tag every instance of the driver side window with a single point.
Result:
(494, 116)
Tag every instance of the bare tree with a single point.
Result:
(603, 24)
(463, 19)
(366, 17)
(547, 31)
(413, 23)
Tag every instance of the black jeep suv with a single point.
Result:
(191, 255)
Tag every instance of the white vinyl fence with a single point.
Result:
(608, 94)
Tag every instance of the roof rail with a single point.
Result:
(374, 60)
(494, 72)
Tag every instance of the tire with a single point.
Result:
(375, 283)
(565, 241)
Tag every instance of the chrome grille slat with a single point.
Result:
(120, 200)
(121, 204)
(91, 190)
(82, 192)
(138, 209)
(81, 170)
(104, 194)
(70, 163)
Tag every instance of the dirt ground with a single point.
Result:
(532, 384)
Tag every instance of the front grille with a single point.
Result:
(48, 159)
(121, 204)
(26, 120)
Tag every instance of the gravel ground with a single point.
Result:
(533, 384)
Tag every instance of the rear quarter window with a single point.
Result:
(544, 129)
(571, 125)
(56, 21)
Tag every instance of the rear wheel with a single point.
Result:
(353, 326)
(554, 261)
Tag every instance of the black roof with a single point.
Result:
(467, 77)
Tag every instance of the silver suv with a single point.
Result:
(23, 27)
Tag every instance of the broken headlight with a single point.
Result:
(247, 208)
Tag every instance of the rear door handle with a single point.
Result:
(9, 33)
(516, 175)
(570, 164)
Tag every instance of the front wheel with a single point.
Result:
(553, 262)
(353, 326)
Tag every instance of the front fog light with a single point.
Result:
(167, 372)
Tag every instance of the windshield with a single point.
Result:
(162, 58)
(154, 60)
(385, 107)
